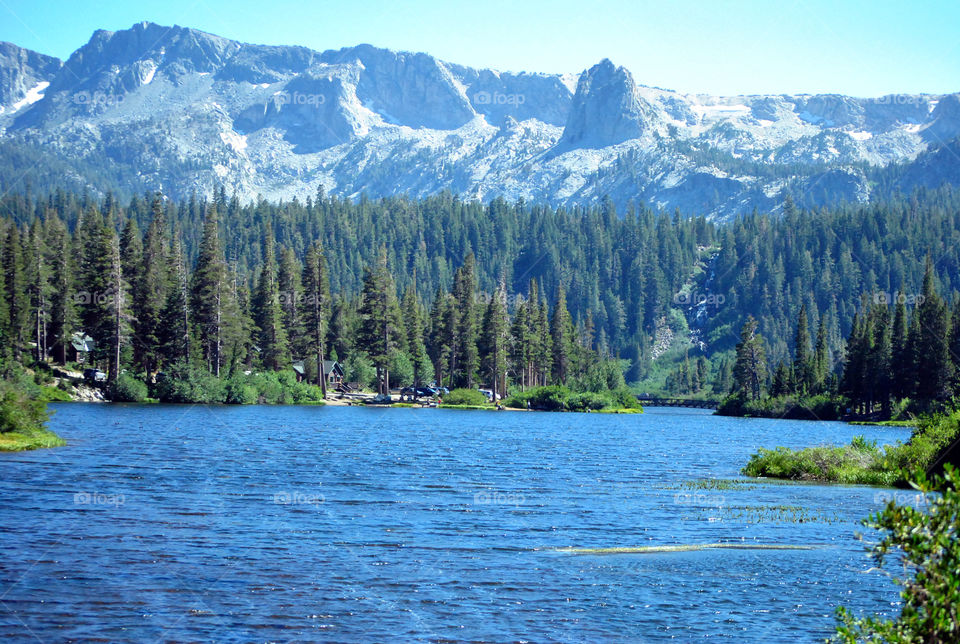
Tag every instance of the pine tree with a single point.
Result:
(97, 283)
(267, 312)
(62, 301)
(494, 341)
(379, 319)
(152, 292)
(466, 357)
(561, 334)
(15, 295)
(443, 323)
(803, 367)
(38, 281)
(935, 378)
(119, 313)
(521, 343)
(413, 322)
(901, 362)
(175, 330)
(209, 292)
(750, 369)
(291, 300)
(316, 309)
(821, 359)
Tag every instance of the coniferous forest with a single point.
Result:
(464, 294)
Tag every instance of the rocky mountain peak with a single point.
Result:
(606, 109)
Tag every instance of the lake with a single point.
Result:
(350, 524)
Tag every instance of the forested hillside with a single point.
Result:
(639, 284)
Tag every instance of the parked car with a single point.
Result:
(94, 376)
(417, 392)
(489, 394)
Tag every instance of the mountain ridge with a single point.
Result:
(181, 110)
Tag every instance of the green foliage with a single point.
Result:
(923, 540)
(819, 407)
(560, 398)
(465, 396)
(22, 412)
(360, 368)
(861, 462)
(185, 383)
(127, 388)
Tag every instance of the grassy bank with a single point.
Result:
(862, 461)
(31, 439)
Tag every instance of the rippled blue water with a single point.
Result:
(345, 524)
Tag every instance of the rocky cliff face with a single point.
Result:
(23, 76)
(181, 110)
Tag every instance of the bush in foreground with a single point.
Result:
(126, 388)
(467, 397)
(925, 541)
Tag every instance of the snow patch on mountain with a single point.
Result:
(34, 94)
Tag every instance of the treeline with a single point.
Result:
(771, 267)
(624, 268)
(902, 354)
(148, 309)
(628, 275)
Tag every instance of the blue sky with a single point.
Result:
(862, 47)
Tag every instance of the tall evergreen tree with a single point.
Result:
(96, 283)
(901, 362)
(379, 330)
(316, 309)
(935, 378)
(561, 334)
(466, 357)
(267, 312)
(416, 349)
(152, 292)
(209, 293)
(750, 369)
(15, 295)
(62, 301)
(803, 366)
(494, 342)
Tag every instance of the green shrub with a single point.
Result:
(187, 384)
(470, 397)
(587, 401)
(18, 413)
(861, 461)
(238, 391)
(126, 388)
(921, 537)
